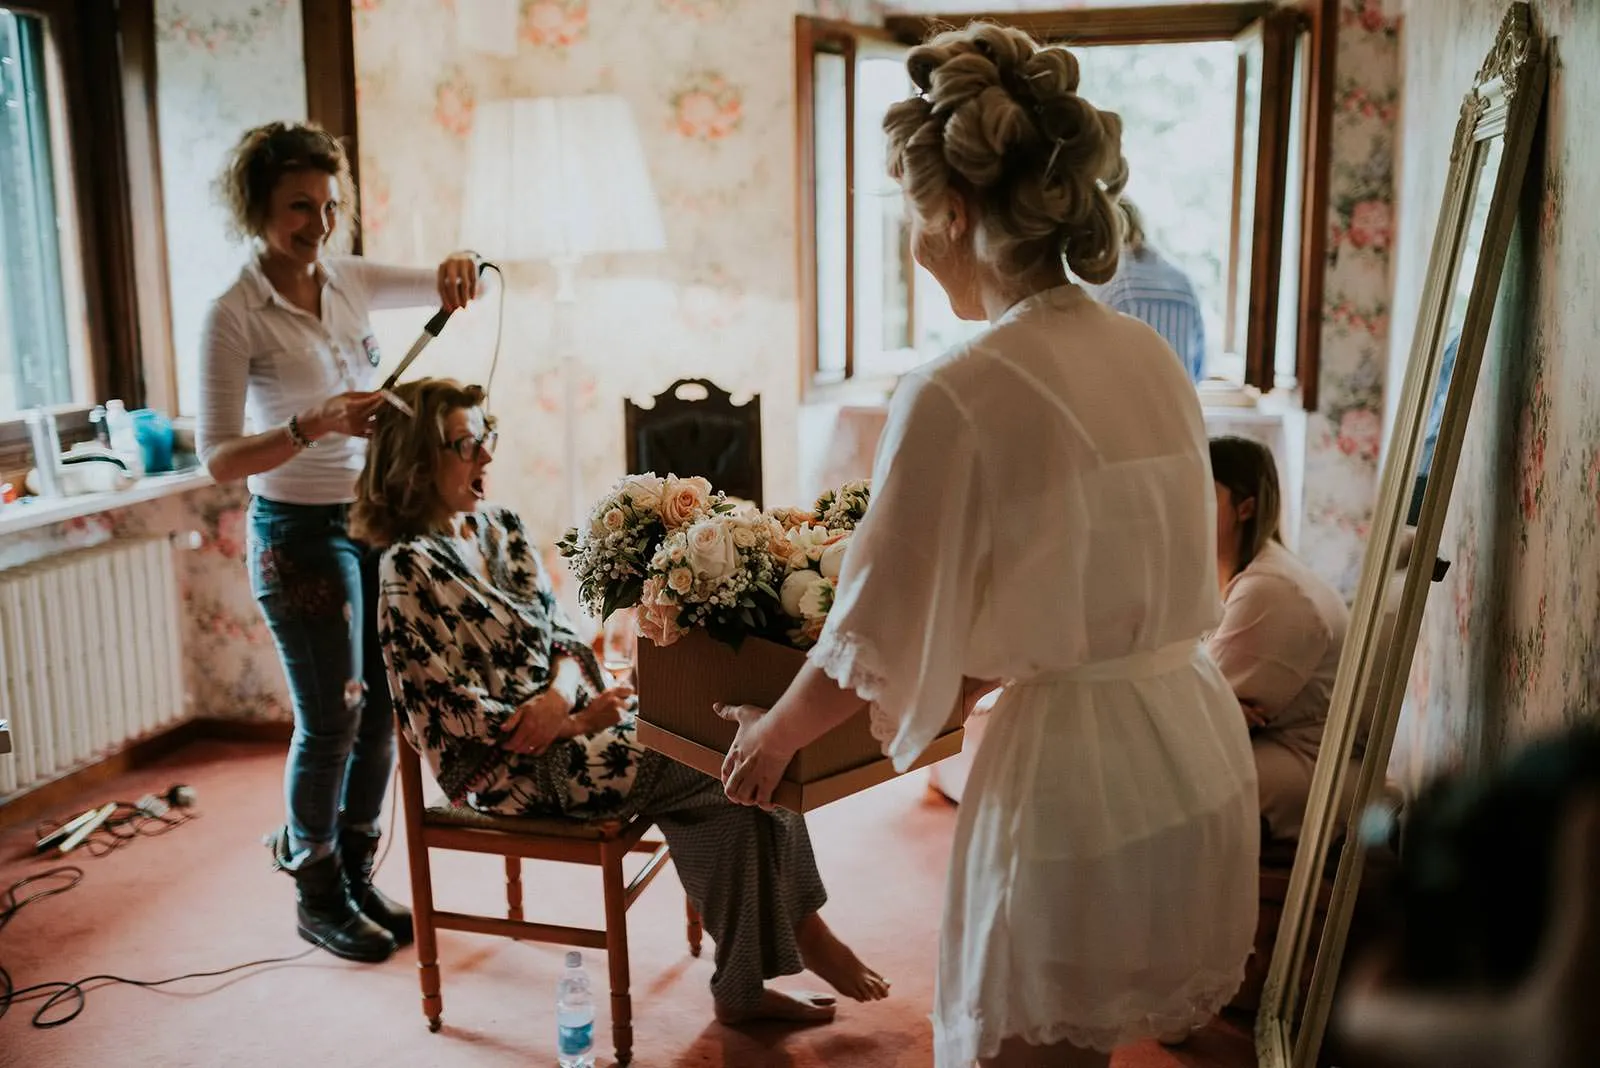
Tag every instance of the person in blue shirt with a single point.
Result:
(1430, 438)
(1150, 288)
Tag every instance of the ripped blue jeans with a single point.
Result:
(317, 588)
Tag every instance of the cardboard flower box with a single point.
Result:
(678, 684)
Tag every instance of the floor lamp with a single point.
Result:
(556, 179)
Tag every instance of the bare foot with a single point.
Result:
(832, 960)
(789, 1008)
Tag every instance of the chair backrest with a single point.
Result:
(694, 428)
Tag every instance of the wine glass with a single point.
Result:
(620, 642)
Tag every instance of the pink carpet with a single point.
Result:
(204, 897)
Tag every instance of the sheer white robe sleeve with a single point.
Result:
(909, 586)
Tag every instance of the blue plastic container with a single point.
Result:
(154, 433)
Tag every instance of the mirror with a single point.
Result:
(1485, 160)
(1488, 161)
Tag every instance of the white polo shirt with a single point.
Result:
(262, 360)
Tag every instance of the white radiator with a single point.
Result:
(91, 646)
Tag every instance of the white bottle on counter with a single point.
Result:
(124, 439)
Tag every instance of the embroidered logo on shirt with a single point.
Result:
(370, 344)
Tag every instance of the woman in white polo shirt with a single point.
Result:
(289, 365)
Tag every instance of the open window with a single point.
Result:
(1237, 213)
(40, 365)
(857, 278)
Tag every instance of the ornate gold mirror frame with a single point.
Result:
(1488, 160)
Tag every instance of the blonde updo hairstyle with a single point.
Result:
(999, 120)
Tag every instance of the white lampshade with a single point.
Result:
(558, 178)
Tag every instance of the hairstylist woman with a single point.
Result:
(288, 351)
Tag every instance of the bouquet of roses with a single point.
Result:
(718, 573)
(612, 556)
(811, 551)
(687, 557)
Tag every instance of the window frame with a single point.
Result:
(107, 67)
(1281, 27)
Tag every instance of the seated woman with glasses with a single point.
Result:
(515, 716)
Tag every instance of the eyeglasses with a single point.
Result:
(471, 448)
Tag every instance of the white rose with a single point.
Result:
(643, 491)
(816, 601)
(712, 552)
(614, 518)
(795, 589)
(833, 558)
(680, 579)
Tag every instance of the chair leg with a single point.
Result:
(514, 888)
(696, 930)
(617, 950)
(422, 922)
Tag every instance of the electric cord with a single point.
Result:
(65, 1001)
(126, 822)
(499, 330)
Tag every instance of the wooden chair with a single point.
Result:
(602, 843)
(682, 434)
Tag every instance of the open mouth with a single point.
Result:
(477, 487)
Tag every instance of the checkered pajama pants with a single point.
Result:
(750, 874)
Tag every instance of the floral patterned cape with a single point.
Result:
(464, 649)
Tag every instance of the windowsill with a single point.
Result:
(27, 515)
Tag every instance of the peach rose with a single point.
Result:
(683, 500)
(660, 625)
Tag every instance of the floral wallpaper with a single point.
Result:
(1343, 437)
(222, 66)
(1510, 640)
(713, 98)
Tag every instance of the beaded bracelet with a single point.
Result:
(297, 436)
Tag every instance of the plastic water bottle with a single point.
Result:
(575, 1016)
(124, 439)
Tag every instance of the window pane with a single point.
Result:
(883, 239)
(1249, 89)
(1177, 103)
(832, 132)
(1286, 350)
(35, 360)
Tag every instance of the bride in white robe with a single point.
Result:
(1043, 514)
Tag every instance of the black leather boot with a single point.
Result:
(358, 850)
(328, 917)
